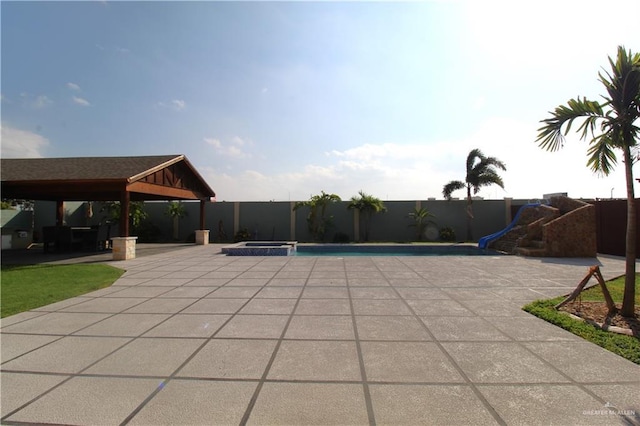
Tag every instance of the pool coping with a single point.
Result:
(260, 248)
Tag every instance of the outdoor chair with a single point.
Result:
(102, 237)
(113, 230)
(94, 239)
(67, 240)
(49, 237)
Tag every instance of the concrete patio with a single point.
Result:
(193, 337)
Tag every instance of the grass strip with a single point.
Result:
(25, 287)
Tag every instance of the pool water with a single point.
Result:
(392, 250)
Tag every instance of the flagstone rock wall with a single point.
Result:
(573, 234)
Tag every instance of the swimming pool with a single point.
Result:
(292, 248)
(392, 250)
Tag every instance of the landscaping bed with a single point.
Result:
(587, 317)
(598, 313)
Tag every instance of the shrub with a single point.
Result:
(146, 232)
(341, 238)
(447, 234)
(242, 235)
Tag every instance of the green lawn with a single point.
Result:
(25, 287)
(625, 346)
(615, 287)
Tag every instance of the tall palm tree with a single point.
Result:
(609, 126)
(367, 205)
(481, 171)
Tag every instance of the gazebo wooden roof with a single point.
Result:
(160, 177)
(124, 179)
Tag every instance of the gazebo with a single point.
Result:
(123, 179)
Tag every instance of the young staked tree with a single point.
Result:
(367, 205)
(481, 171)
(609, 125)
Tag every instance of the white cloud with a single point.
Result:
(235, 152)
(116, 49)
(374, 152)
(232, 149)
(213, 142)
(37, 102)
(73, 86)
(18, 143)
(527, 30)
(393, 171)
(42, 101)
(478, 103)
(300, 184)
(175, 104)
(81, 101)
(178, 104)
(532, 171)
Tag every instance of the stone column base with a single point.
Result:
(202, 237)
(124, 248)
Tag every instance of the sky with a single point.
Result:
(278, 101)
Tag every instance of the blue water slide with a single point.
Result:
(484, 241)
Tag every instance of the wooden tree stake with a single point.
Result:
(594, 270)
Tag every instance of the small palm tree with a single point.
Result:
(481, 171)
(615, 115)
(367, 205)
(137, 213)
(420, 218)
(176, 211)
(317, 220)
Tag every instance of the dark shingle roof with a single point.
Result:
(81, 168)
(103, 178)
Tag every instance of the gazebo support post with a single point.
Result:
(125, 198)
(202, 213)
(59, 213)
(202, 235)
(124, 246)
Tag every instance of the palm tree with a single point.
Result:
(481, 171)
(421, 220)
(176, 211)
(137, 213)
(367, 205)
(609, 126)
(316, 220)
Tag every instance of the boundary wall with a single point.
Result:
(278, 221)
